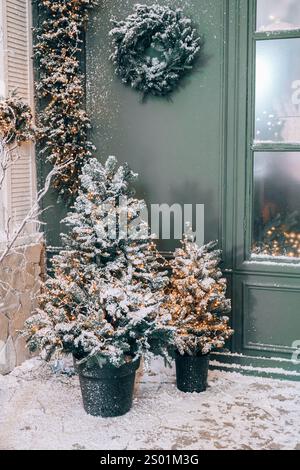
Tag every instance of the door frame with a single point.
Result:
(242, 271)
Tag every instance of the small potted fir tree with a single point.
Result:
(102, 303)
(197, 303)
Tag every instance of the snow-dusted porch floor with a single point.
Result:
(39, 410)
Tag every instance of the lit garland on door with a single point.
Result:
(63, 121)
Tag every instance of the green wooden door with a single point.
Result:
(264, 225)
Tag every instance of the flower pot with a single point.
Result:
(191, 372)
(107, 391)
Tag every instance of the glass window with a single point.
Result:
(278, 15)
(276, 228)
(277, 113)
(276, 167)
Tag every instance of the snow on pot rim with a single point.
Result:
(185, 354)
(95, 368)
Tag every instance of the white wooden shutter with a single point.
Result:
(19, 77)
(18, 58)
(3, 192)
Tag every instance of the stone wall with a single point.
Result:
(22, 271)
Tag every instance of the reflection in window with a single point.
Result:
(277, 114)
(278, 15)
(276, 229)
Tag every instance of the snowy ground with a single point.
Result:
(39, 410)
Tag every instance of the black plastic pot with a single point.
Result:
(106, 391)
(191, 373)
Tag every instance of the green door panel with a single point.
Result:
(174, 144)
(268, 321)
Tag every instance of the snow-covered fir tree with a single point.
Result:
(108, 285)
(197, 298)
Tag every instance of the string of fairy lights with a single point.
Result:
(279, 242)
(196, 298)
(63, 122)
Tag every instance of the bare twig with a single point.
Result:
(32, 215)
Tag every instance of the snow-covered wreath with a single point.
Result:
(153, 48)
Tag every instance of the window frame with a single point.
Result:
(254, 146)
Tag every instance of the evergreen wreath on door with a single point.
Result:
(154, 48)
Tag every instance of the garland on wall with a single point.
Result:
(63, 121)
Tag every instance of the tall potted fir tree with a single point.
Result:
(197, 303)
(102, 303)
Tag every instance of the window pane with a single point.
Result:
(276, 230)
(277, 113)
(275, 15)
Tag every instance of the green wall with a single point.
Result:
(174, 144)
